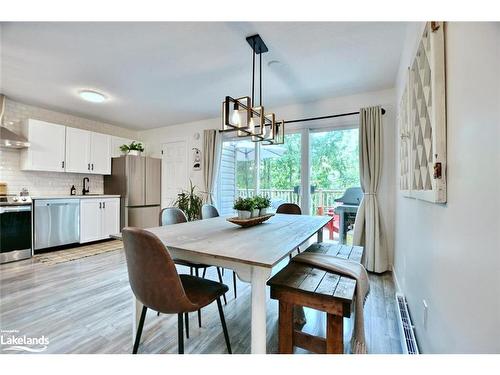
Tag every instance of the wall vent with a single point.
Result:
(407, 334)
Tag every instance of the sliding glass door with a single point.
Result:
(329, 156)
(280, 176)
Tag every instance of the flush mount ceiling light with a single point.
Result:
(245, 116)
(92, 96)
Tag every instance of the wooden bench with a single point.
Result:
(299, 284)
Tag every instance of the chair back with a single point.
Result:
(152, 273)
(289, 208)
(208, 211)
(172, 215)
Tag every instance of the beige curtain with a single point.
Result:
(211, 160)
(368, 231)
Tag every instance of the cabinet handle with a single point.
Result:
(103, 204)
(100, 205)
(88, 167)
(62, 164)
(92, 166)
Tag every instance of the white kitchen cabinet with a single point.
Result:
(100, 152)
(87, 152)
(78, 150)
(110, 217)
(90, 220)
(47, 146)
(99, 218)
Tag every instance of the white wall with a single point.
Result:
(156, 137)
(48, 183)
(449, 255)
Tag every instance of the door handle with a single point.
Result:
(62, 164)
(100, 205)
(103, 204)
(92, 166)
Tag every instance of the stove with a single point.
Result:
(14, 200)
(15, 227)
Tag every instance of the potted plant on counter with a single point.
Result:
(135, 148)
(262, 203)
(244, 206)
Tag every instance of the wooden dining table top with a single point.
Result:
(261, 245)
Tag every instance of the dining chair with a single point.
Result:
(174, 215)
(289, 209)
(156, 284)
(208, 211)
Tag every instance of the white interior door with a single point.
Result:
(174, 170)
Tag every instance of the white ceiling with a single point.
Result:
(158, 74)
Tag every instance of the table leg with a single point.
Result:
(136, 315)
(320, 235)
(258, 281)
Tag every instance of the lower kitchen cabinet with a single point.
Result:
(99, 218)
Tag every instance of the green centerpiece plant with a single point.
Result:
(244, 206)
(262, 203)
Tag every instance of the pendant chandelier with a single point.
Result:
(244, 116)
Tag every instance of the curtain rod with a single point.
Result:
(325, 117)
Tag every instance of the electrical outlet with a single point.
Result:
(426, 311)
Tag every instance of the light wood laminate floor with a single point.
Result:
(85, 306)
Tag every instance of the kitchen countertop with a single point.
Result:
(89, 196)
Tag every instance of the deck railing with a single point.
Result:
(320, 197)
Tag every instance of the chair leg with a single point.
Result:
(180, 333)
(204, 272)
(191, 271)
(158, 314)
(139, 330)
(234, 284)
(222, 282)
(196, 272)
(186, 322)
(199, 318)
(222, 271)
(224, 327)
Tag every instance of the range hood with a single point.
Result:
(8, 138)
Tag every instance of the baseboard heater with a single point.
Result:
(407, 334)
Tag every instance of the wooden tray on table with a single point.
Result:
(245, 223)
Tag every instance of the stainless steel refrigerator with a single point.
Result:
(138, 181)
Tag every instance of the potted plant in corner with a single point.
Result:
(190, 203)
(262, 203)
(244, 206)
(135, 148)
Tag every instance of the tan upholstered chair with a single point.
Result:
(157, 285)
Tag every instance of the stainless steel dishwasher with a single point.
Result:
(57, 222)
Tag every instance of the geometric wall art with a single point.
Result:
(422, 120)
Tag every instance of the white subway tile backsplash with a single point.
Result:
(48, 183)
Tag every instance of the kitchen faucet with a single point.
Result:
(85, 190)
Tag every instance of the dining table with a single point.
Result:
(251, 252)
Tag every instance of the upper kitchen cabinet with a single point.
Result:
(100, 151)
(78, 148)
(87, 152)
(47, 146)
